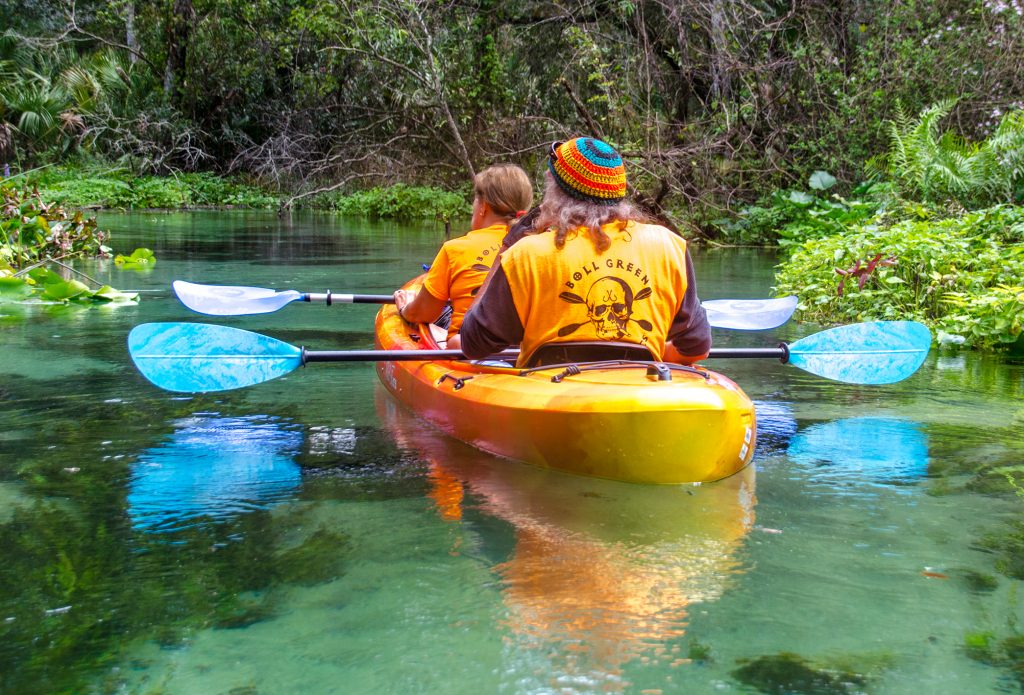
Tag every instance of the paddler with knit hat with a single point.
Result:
(597, 270)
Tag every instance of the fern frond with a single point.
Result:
(1007, 145)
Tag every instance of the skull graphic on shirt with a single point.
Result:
(609, 305)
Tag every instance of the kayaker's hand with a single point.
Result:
(402, 298)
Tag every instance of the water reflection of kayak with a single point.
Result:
(625, 422)
(605, 570)
(214, 467)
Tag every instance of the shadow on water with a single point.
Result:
(776, 426)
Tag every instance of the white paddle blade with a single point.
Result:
(749, 314)
(229, 300)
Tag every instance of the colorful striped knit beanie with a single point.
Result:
(588, 169)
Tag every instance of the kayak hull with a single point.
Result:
(614, 422)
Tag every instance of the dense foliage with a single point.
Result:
(400, 202)
(819, 126)
(792, 216)
(963, 276)
(713, 102)
(944, 166)
(106, 188)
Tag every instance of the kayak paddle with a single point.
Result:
(199, 357)
(231, 300)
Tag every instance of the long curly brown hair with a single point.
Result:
(562, 214)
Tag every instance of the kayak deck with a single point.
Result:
(607, 420)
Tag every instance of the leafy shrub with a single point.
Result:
(210, 189)
(89, 192)
(792, 216)
(961, 276)
(31, 228)
(113, 189)
(152, 192)
(938, 166)
(402, 202)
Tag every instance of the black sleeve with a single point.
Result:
(492, 323)
(690, 331)
(521, 227)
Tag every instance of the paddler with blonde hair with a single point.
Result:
(597, 273)
(501, 194)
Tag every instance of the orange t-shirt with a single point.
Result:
(460, 267)
(631, 292)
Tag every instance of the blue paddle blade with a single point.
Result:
(199, 357)
(878, 352)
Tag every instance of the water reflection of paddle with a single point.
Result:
(604, 572)
(863, 450)
(213, 467)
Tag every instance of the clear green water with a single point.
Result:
(307, 535)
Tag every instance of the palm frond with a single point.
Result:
(83, 86)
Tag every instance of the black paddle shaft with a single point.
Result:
(781, 353)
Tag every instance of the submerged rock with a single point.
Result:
(787, 673)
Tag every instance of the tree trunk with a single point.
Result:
(180, 24)
(130, 39)
(720, 79)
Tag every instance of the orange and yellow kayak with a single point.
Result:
(607, 421)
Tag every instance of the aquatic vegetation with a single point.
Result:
(401, 202)
(960, 275)
(699, 652)
(318, 559)
(117, 188)
(35, 234)
(32, 229)
(979, 582)
(140, 259)
(46, 285)
(787, 673)
(79, 583)
(1008, 546)
(1006, 653)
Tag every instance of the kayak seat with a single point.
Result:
(588, 351)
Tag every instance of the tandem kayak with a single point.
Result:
(610, 419)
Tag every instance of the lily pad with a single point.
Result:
(140, 258)
(64, 290)
(109, 294)
(14, 289)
